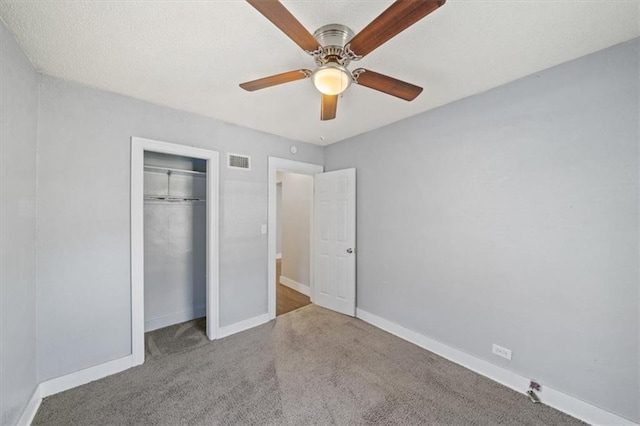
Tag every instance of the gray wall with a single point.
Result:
(83, 217)
(18, 133)
(511, 217)
(297, 199)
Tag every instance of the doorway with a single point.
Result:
(281, 165)
(332, 251)
(294, 204)
(202, 190)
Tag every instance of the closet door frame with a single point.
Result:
(138, 147)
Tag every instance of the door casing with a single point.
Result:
(138, 147)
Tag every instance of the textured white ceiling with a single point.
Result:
(192, 55)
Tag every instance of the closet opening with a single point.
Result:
(174, 242)
(175, 247)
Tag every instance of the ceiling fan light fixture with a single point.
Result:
(331, 79)
(334, 47)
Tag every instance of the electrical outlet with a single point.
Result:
(500, 351)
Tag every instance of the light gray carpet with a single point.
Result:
(311, 366)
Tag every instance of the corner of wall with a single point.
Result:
(37, 161)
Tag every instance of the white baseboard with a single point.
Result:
(174, 318)
(68, 381)
(30, 410)
(228, 330)
(549, 396)
(299, 287)
(78, 378)
(72, 380)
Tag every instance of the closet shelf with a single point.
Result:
(169, 170)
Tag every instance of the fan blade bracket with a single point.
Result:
(356, 74)
(350, 54)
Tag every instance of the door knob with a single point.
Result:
(349, 250)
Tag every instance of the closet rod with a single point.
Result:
(172, 199)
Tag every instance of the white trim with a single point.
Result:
(228, 330)
(278, 255)
(138, 147)
(77, 378)
(282, 165)
(30, 410)
(174, 318)
(295, 285)
(549, 396)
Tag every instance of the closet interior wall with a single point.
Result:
(174, 239)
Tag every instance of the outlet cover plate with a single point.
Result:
(500, 351)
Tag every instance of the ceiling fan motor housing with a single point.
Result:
(332, 38)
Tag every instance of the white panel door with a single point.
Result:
(334, 285)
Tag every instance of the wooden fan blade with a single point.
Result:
(397, 18)
(329, 107)
(274, 80)
(386, 84)
(275, 12)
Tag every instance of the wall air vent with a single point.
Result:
(237, 161)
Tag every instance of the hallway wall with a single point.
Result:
(297, 202)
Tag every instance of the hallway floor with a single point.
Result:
(287, 299)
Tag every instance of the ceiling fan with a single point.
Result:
(334, 47)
